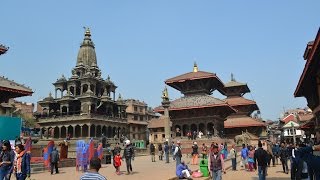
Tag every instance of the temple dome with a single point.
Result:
(87, 54)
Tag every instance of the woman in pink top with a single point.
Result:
(251, 158)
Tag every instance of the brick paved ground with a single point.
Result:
(143, 168)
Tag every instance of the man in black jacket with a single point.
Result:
(261, 157)
(54, 157)
(284, 157)
(128, 154)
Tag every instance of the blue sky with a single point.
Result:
(142, 43)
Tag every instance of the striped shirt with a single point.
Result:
(92, 176)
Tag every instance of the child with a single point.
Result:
(117, 162)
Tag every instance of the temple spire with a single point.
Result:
(165, 95)
(195, 67)
(232, 77)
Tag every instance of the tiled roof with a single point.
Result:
(305, 117)
(157, 123)
(191, 76)
(234, 83)
(242, 121)
(288, 118)
(8, 84)
(236, 101)
(194, 101)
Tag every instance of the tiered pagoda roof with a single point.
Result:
(196, 82)
(236, 121)
(197, 87)
(10, 89)
(234, 91)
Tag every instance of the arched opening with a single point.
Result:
(78, 131)
(185, 129)
(72, 91)
(98, 132)
(109, 133)
(194, 128)
(210, 130)
(104, 131)
(56, 132)
(92, 130)
(119, 132)
(64, 110)
(178, 130)
(93, 108)
(63, 132)
(84, 88)
(124, 131)
(114, 132)
(92, 88)
(85, 130)
(70, 131)
(202, 128)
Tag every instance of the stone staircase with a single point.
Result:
(37, 167)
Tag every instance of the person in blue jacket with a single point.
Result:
(183, 171)
(22, 165)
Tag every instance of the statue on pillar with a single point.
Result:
(165, 95)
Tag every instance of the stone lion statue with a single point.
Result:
(243, 138)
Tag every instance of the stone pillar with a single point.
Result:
(74, 131)
(61, 93)
(89, 130)
(81, 131)
(55, 94)
(215, 128)
(59, 132)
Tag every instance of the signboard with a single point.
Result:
(10, 127)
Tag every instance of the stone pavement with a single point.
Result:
(143, 168)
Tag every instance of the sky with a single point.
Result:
(142, 43)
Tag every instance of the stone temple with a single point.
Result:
(83, 105)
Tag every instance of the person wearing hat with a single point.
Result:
(177, 153)
(216, 163)
(128, 154)
(195, 153)
(6, 161)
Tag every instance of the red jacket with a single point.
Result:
(117, 161)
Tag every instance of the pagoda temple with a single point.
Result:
(197, 110)
(83, 105)
(9, 90)
(242, 120)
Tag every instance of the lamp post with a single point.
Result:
(294, 134)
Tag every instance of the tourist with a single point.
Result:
(244, 156)
(200, 134)
(173, 148)
(22, 165)
(177, 153)
(54, 157)
(183, 171)
(195, 153)
(260, 158)
(189, 135)
(116, 149)
(128, 154)
(93, 173)
(6, 161)
(160, 151)
(251, 158)
(216, 163)
(284, 158)
(302, 167)
(166, 150)
(152, 152)
(233, 157)
(269, 151)
(204, 151)
(275, 151)
(293, 161)
(225, 150)
(117, 162)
